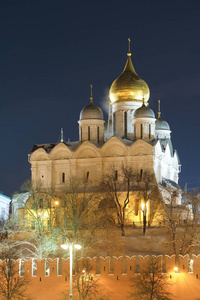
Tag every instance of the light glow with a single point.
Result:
(77, 246)
(142, 206)
(64, 246)
(175, 269)
(112, 98)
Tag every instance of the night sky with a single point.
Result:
(51, 51)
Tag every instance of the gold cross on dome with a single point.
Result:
(129, 45)
(159, 113)
(91, 98)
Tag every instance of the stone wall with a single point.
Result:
(115, 274)
(111, 265)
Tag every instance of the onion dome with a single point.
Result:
(144, 112)
(160, 123)
(91, 111)
(129, 86)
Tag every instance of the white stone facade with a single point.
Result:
(4, 207)
(141, 142)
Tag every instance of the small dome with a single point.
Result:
(144, 112)
(162, 125)
(91, 111)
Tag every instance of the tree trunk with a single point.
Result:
(144, 222)
(174, 241)
(122, 230)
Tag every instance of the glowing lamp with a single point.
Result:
(176, 269)
(64, 246)
(77, 246)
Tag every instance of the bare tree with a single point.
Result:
(12, 286)
(172, 215)
(180, 217)
(48, 219)
(36, 222)
(80, 219)
(117, 187)
(147, 191)
(191, 228)
(151, 284)
(86, 286)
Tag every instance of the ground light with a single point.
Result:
(65, 247)
(176, 270)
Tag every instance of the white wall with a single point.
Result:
(4, 207)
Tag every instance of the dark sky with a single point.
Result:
(51, 51)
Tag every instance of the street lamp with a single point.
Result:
(65, 247)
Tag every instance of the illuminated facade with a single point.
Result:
(132, 136)
(4, 207)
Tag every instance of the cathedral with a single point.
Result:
(132, 135)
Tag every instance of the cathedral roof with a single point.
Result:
(166, 182)
(49, 147)
(129, 86)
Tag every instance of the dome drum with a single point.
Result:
(125, 106)
(144, 123)
(144, 130)
(162, 129)
(91, 130)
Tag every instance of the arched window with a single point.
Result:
(125, 124)
(88, 133)
(116, 174)
(134, 128)
(81, 134)
(63, 177)
(141, 131)
(21, 267)
(149, 130)
(47, 267)
(40, 203)
(34, 267)
(97, 134)
(114, 122)
(87, 176)
(190, 266)
(141, 173)
(59, 266)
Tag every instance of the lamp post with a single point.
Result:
(65, 246)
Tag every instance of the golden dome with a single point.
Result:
(129, 86)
